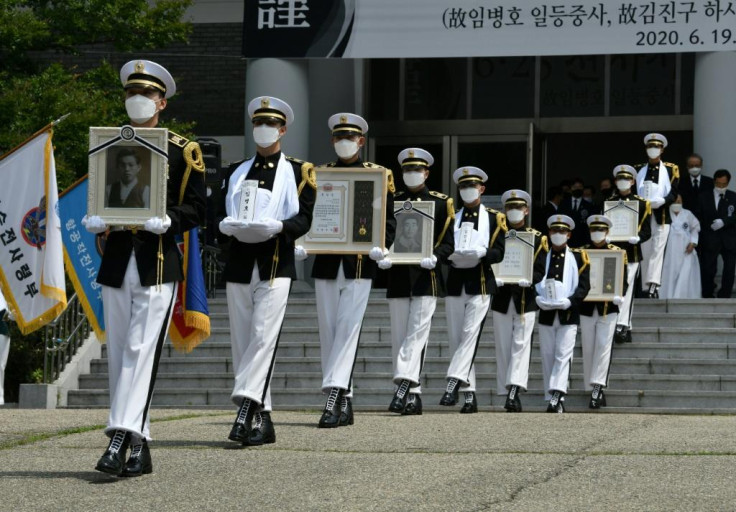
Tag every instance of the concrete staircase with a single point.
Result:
(683, 359)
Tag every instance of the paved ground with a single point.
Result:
(439, 461)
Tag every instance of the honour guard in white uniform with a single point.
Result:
(260, 267)
(625, 177)
(413, 289)
(479, 242)
(656, 181)
(598, 321)
(342, 283)
(559, 296)
(514, 308)
(139, 273)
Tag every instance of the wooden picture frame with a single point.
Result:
(414, 238)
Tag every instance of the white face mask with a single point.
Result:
(140, 109)
(469, 194)
(265, 135)
(558, 239)
(413, 179)
(720, 190)
(623, 184)
(694, 171)
(675, 208)
(598, 236)
(653, 153)
(515, 216)
(346, 148)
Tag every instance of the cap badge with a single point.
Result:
(265, 102)
(343, 119)
(140, 66)
(513, 193)
(411, 154)
(466, 172)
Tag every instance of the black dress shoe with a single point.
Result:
(331, 415)
(112, 461)
(241, 428)
(513, 403)
(139, 463)
(602, 399)
(398, 404)
(471, 403)
(556, 403)
(413, 406)
(596, 397)
(346, 412)
(619, 336)
(262, 431)
(628, 336)
(451, 394)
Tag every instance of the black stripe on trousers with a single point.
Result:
(477, 341)
(355, 357)
(267, 384)
(157, 356)
(633, 296)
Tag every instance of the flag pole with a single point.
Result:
(36, 134)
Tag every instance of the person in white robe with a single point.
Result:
(681, 270)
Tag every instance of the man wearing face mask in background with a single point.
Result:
(342, 283)
(260, 266)
(695, 183)
(578, 209)
(470, 283)
(598, 322)
(139, 274)
(514, 309)
(607, 189)
(717, 235)
(661, 179)
(625, 181)
(413, 289)
(567, 271)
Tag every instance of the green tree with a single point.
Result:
(34, 92)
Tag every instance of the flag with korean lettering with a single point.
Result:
(31, 259)
(82, 254)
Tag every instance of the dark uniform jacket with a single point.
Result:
(724, 238)
(570, 316)
(274, 257)
(633, 252)
(479, 280)
(688, 193)
(358, 266)
(406, 281)
(524, 298)
(605, 308)
(581, 234)
(185, 206)
(662, 214)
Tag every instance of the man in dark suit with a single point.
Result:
(554, 198)
(578, 209)
(694, 184)
(717, 234)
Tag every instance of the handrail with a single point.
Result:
(63, 337)
(213, 269)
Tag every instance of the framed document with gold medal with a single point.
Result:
(606, 274)
(349, 214)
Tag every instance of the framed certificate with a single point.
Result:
(625, 218)
(606, 274)
(414, 239)
(518, 259)
(349, 215)
(128, 168)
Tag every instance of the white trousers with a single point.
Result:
(625, 309)
(137, 320)
(556, 343)
(652, 253)
(341, 306)
(256, 312)
(513, 336)
(411, 319)
(4, 351)
(465, 317)
(596, 332)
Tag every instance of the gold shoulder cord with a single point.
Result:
(500, 225)
(390, 181)
(309, 176)
(586, 261)
(542, 245)
(647, 212)
(450, 218)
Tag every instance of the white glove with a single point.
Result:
(229, 226)
(267, 227)
(499, 282)
(525, 283)
(479, 252)
(717, 224)
(94, 224)
(634, 240)
(656, 202)
(385, 264)
(300, 253)
(543, 304)
(429, 263)
(157, 225)
(377, 253)
(618, 300)
(564, 304)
